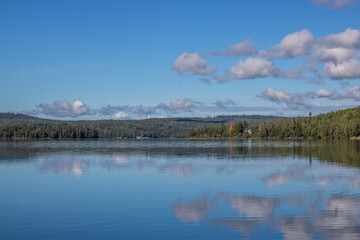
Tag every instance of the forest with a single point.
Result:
(342, 124)
(20, 126)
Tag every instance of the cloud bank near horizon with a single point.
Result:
(285, 100)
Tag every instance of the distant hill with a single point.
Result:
(24, 126)
(14, 116)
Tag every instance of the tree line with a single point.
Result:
(342, 124)
(24, 126)
(48, 131)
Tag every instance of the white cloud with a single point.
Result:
(181, 104)
(276, 95)
(119, 116)
(334, 56)
(194, 63)
(79, 108)
(296, 44)
(292, 45)
(292, 100)
(258, 67)
(337, 55)
(295, 100)
(253, 68)
(240, 49)
(335, 4)
(65, 109)
(344, 70)
(323, 93)
(350, 38)
(352, 93)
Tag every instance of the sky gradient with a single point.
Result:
(142, 59)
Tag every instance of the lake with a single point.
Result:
(179, 189)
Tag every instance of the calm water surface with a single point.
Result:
(179, 189)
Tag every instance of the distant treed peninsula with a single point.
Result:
(343, 124)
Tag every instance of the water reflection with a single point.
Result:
(64, 166)
(293, 173)
(333, 217)
(191, 211)
(298, 189)
(340, 152)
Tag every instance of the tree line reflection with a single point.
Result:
(338, 152)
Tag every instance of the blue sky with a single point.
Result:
(141, 59)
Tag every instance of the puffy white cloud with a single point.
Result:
(119, 116)
(253, 68)
(323, 93)
(194, 63)
(292, 45)
(296, 44)
(240, 49)
(276, 95)
(335, 4)
(350, 38)
(339, 54)
(181, 104)
(65, 109)
(258, 67)
(344, 70)
(334, 54)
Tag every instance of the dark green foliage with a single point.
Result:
(23, 126)
(49, 131)
(341, 124)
